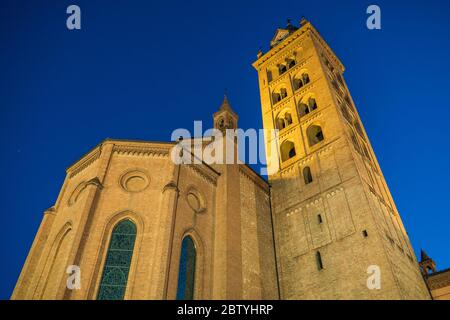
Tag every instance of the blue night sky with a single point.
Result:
(139, 69)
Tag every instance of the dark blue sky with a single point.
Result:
(139, 69)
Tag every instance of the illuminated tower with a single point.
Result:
(333, 213)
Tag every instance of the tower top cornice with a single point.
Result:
(306, 29)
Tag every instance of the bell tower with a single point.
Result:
(225, 118)
(335, 221)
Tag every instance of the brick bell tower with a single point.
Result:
(334, 216)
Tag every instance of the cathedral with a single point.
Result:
(135, 225)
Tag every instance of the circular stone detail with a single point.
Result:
(193, 202)
(196, 201)
(134, 181)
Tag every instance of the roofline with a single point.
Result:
(288, 40)
(110, 140)
(98, 147)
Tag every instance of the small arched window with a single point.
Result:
(287, 150)
(291, 63)
(279, 94)
(288, 119)
(282, 69)
(307, 176)
(314, 134)
(118, 260)
(298, 83)
(283, 121)
(301, 80)
(303, 109)
(305, 78)
(186, 271)
(280, 124)
(312, 104)
(307, 105)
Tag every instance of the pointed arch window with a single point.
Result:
(186, 272)
(303, 109)
(118, 260)
(282, 69)
(287, 150)
(315, 134)
(312, 104)
(305, 78)
(291, 63)
(283, 120)
(279, 94)
(301, 80)
(307, 106)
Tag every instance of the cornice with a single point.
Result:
(204, 172)
(136, 150)
(264, 58)
(254, 177)
(302, 31)
(85, 162)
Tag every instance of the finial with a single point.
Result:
(303, 21)
(423, 255)
(260, 53)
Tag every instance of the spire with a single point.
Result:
(427, 265)
(423, 255)
(225, 117)
(303, 21)
(226, 104)
(290, 27)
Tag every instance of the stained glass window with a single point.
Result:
(186, 273)
(118, 260)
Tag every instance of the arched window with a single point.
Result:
(300, 80)
(279, 94)
(288, 119)
(283, 120)
(287, 150)
(118, 261)
(186, 272)
(307, 176)
(280, 124)
(307, 105)
(303, 109)
(291, 63)
(282, 69)
(305, 78)
(298, 83)
(314, 134)
(312, 104)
